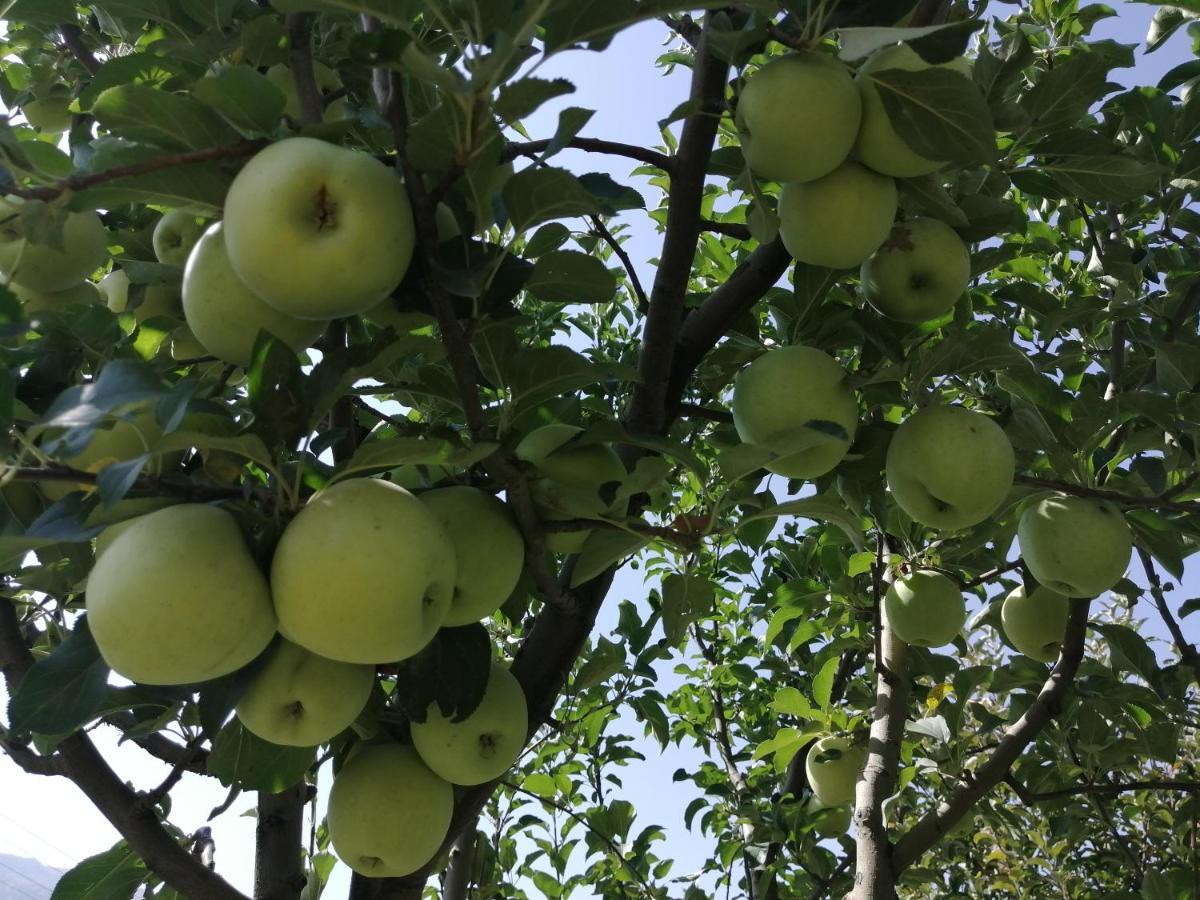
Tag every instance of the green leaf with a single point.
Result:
(1064, 94)
(245, 98)
(940, 114)
(568, 276)
(1130, 652)
(1096, 178)
(594, 22)
(548, 237)
(1177, 366)
(120, 383)
(612, 196)
(159, 118)
(64, 690)
(241, 758)
(537, 195)
(604, 547)
(112, 875)
(935, 43)
(789, 701)
(819, 509)
(685, 598)
(605, 659)
(452, 672)
(519, 99)
(822, 685)
(275, 391)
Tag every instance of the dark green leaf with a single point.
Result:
(64, 690)
(568, 276)
(241, 758)
(685, 599)
(275, 387)
(112, 875)
(1064, 93)
(520, 98)
(939, 114)
(161, 119)
(605, 659)
(246, 99)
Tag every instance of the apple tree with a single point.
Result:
(353, 461)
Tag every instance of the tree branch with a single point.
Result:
(1186, 650)
(729, 229)
(308, 95)
(72, 36)
(136, 822)
(459, 871)
(27, 759)
(184, 489)
(634, 282)
(1029, 797)
(938, 822)
(279, 835)
(1126, 500)
(83, 181)
(594, 145)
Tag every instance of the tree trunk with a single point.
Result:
(410, 887)
(278, 868)
(462, 864)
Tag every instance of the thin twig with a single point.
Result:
(184, 489)
(1126, 500)
(1029, 797)
(1185, 648)
(595, 145)
(634, 282)
(696, 411)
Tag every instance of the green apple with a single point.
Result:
(318, 231)
(572, 482)
(777, 396)
(919, 273)
(105, 539)
(175, 235)
(130, 435)
(177, 598)
(488, 546)
(300, 699)
(949, 467)
(839, 220)
(832, 767)
(829, 821)
(49, 115)
(925, 608)
(114, 288)
(224, 314)
(33, 301)
(879, 145)
(1076, 546)
(364, 574)
(1035, 622)
(485, 744)
(797, 117)
(41, 267)
(157, 299)
(388, 813)
(328, 81)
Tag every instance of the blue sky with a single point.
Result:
(48, 819)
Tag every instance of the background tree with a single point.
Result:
(1077, 335)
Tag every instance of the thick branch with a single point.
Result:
(81, 182)
(72, 36)
(279, 835)
(729, 229)
(27, 759)
(457, 884)
(1185, 648)
(300, 60)
(1029, 797)
(595, 145)
(1126, 500)
(938, 822)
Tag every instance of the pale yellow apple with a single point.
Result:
(364, 574)
(175, 235)
(829, 821)
(488, 546)
(832, 767)
(84, 293)
(327, 80)
(224, 314)
(949, 467)
(797, 117)
(388, 813)
(41, 267)
(114, 288)
(1076, 546)
(925, 608)
(318, 231)
(1035, 622)
(919, 273)
(485, 744)
(157, 300)
(572, 481)
(49, 115)
(789, 400)
(105, 539)
(178, 599)
(300, 699)
(879, 145)
(839, 220)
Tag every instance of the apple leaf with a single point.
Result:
(569, 276)
(537, 195)
(1064, 94)
(246, 99)
(452, 671)
(603, 548)
(940, 114)
(275, 390)
(160, 118)
(818, 509)
(822, 685)
(685, 598)
(1091, 178)
(63, 690)
(241, 758)
(121, 382)
(592, 23)
(605, 659)
(520, 98)
(934, 43)
(112, 875)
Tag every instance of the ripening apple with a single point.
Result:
(925, 608)
(327, 80)
(485, 744)
(175, 235)
(105, 539)
(797, 117)
(50, 114)
(949, 467)
(224, 314)
(919, 273)
(300, 699)
(832, 767)
(364, 574)
(157, 299)
(488, 546)
(114, 288)
(178, 599)
(388, 813)
(128, 436)
(84, 293)
(1035, 622)
(839, 220)
(793, 400)
(879, 145)
(41, 267)
(829, 821)
(574, 481)
(1076, 546)
(316, 230)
